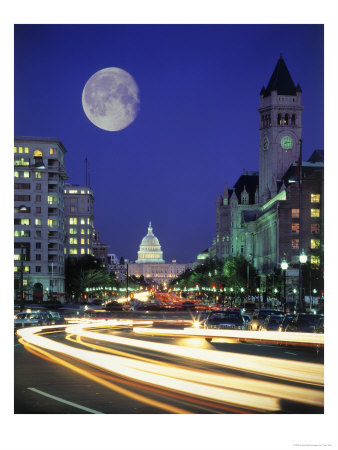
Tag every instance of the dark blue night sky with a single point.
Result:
(197, 127)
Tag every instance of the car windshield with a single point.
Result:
(309, 320)
(225, 317)
(32, 316)
(21, 315)
(275, 319)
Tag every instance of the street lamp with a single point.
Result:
(302, 261)
(284, 266)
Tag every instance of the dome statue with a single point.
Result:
(150, 249)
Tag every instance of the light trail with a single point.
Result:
(279, 368)
(255, 395)
(267, 336)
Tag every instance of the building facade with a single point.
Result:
(150, 263)
(79, 220)
(277, 212)
(39, 229)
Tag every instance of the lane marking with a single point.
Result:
(289, 353)
(61, 400)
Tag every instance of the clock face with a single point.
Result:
(286, 142)
(266, 143)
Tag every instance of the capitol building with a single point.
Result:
(150, 262)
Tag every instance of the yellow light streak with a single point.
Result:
(279, 368)
(253, 394)
(107, 384)
(293, 393)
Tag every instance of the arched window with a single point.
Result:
(279, 119)
(38, 154)
(293, 119)
(286, 119)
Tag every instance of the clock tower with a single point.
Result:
(280, 129)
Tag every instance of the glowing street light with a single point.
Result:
(284, 266)
(302, 261)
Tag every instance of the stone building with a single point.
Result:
(39, 230)
(260, 216)
(150, 263)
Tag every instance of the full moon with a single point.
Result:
(110, 99)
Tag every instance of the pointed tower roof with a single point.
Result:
(281, 81)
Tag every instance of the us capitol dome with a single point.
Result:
(150, 249)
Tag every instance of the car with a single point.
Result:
(286, 319)
(258, 317)
(271, 322)
(303, 322)
(320, 325)
(224, 319)
(57, 317)
(199, 319)
(114, 306)
(32, 319)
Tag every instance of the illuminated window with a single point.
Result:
(88, 251)
(64, 251)
(26, 174)
(73, 251)
(22, 233)
(38, 222)
(82, 191)
(88, 241)
(295, 243)
(15, 149)
(82, 231)
(21, 162)
(82, 241)
(73, 240)
(37, 174)
(88, 231)
(315, 228)
(295, 227)
(16, 257)
(26, 150)
(315, 198)
(52, 223)
(315, 212)
(83, 221)
(295, 212)
(315, 243)
(73, 191)
(20, 149)
(73, 220)
(88, 221)
(315, 260)
(82, 251)
(38, 154)
(16, 174)
(72, 230)
(52, 151)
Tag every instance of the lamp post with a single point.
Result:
(284, 267)
(302, 261)
(22, 295)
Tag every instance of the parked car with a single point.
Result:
(32, 319)
(259, 316)
(286, 319)
(320, 325)
(303, 322)
(225, 320)
(271, 322)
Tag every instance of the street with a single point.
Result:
(110, 369)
